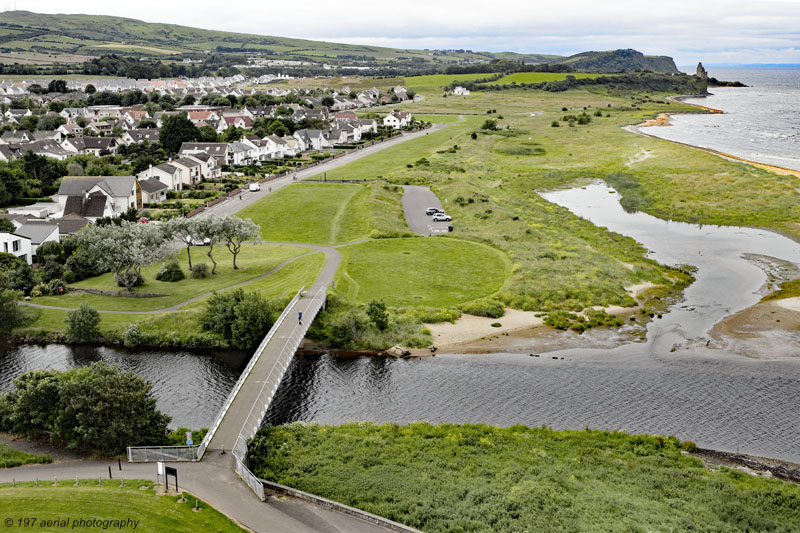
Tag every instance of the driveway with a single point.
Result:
(416, 199)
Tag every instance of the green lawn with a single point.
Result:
(439, 81)
(482, 478)
(11, 457)
(317, 213)
(433, 272)
(254, 260)
(137, 500)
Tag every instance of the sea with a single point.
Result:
(760, 122)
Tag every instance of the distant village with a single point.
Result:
(242, 134)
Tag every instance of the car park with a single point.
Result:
(433, 211)
(442, 217)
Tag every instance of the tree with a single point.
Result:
(6, 226)
(489, 124)
(185, 230)
(124, 249)
(94, 407)
(177, 129)
(90, 89)
(83, 325)
(236, 231)
(231, 134)
(241, 318)
(57, 86)
(147, 123)
(209, 231)
(11, 314)
(207, 134)
(328, 101)
(277, 127)
(376, 311)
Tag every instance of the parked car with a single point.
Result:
(255, 187)
(441, 217)
(433, 211)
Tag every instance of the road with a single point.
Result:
(416, 199)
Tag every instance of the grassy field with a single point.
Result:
(11, 457)
(137, 500)
(482, 478)
(539, 77)
(180, 328)
(254, 260)
(434, 272)
(439, 81)
(326, 213)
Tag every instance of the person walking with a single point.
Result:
(300, 318)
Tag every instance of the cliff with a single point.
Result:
(620, 61)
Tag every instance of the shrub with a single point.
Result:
(51, 270)
(488, 308)
(133, 336)
(496, 325)
(130, 278)
(432, 316)
(82, 325)
(473, 136)
(11, 314)
(9, 262)
(200, 271)
(82, 266)
(170, 271)
(55, 287)
(241, 318)
(554, 124)
(376, 311)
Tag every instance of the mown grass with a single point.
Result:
(539, 77)
(181, 328)
(137, 500)
(439, 81)
(11, 457)
(317, 213)
(433, 272)
(254, 260)
(483, 478)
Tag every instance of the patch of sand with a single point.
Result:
(638, 158)
(469, 328)
(661, 120)
(639, 288)
(792, 304)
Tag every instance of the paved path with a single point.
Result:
(234, 204)
(416, 199)
(213, 481)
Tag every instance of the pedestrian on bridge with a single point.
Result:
(300, 318)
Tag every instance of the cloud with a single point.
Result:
(745, 31)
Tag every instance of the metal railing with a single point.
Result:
(253, 360)
(149, 454)
(254, 418)
(240, 467)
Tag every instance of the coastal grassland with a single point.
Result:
(437, 82)
(254, 260)
(539, 77)
(490, 184)
(438, 119)
(11, 457)
(483, 478)
(432, 272)
(318, 213)
(181, 327)
(137, 500)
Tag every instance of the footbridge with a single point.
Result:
(243, 412)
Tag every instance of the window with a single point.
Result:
(5, 247)
(15, 245)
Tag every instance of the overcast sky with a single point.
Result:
(712, 31)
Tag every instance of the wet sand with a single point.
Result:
(767, 330)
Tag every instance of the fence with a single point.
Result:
(244, 375)
(256, 415)
(240, 467)
(149, 454)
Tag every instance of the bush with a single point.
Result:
(51, 269)
(178, 437)
(11, 314)
(554, 124)
(82, 325)
(133, 336)
(487, 308)
(55, 287)
(376, 311)
(170, 271)
(200, 271)
(81, 265)
(9, 262)
(130, 278)
(95, 407)
(242, 319)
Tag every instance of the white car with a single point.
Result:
(255, 187)
(442, 217)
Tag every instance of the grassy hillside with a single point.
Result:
(620, 60)
(23, 31)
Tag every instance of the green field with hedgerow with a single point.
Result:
(483, 478)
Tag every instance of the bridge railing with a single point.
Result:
(253, 360)
(149, 454)
(240, 467)
(259, 409)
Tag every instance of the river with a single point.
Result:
(670, 384)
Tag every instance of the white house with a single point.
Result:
(17, 245)
(38, 233)
(153, 191)
(93, 197)
(310, 139)
(168, 174)
(461, 91)
(397, 119)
